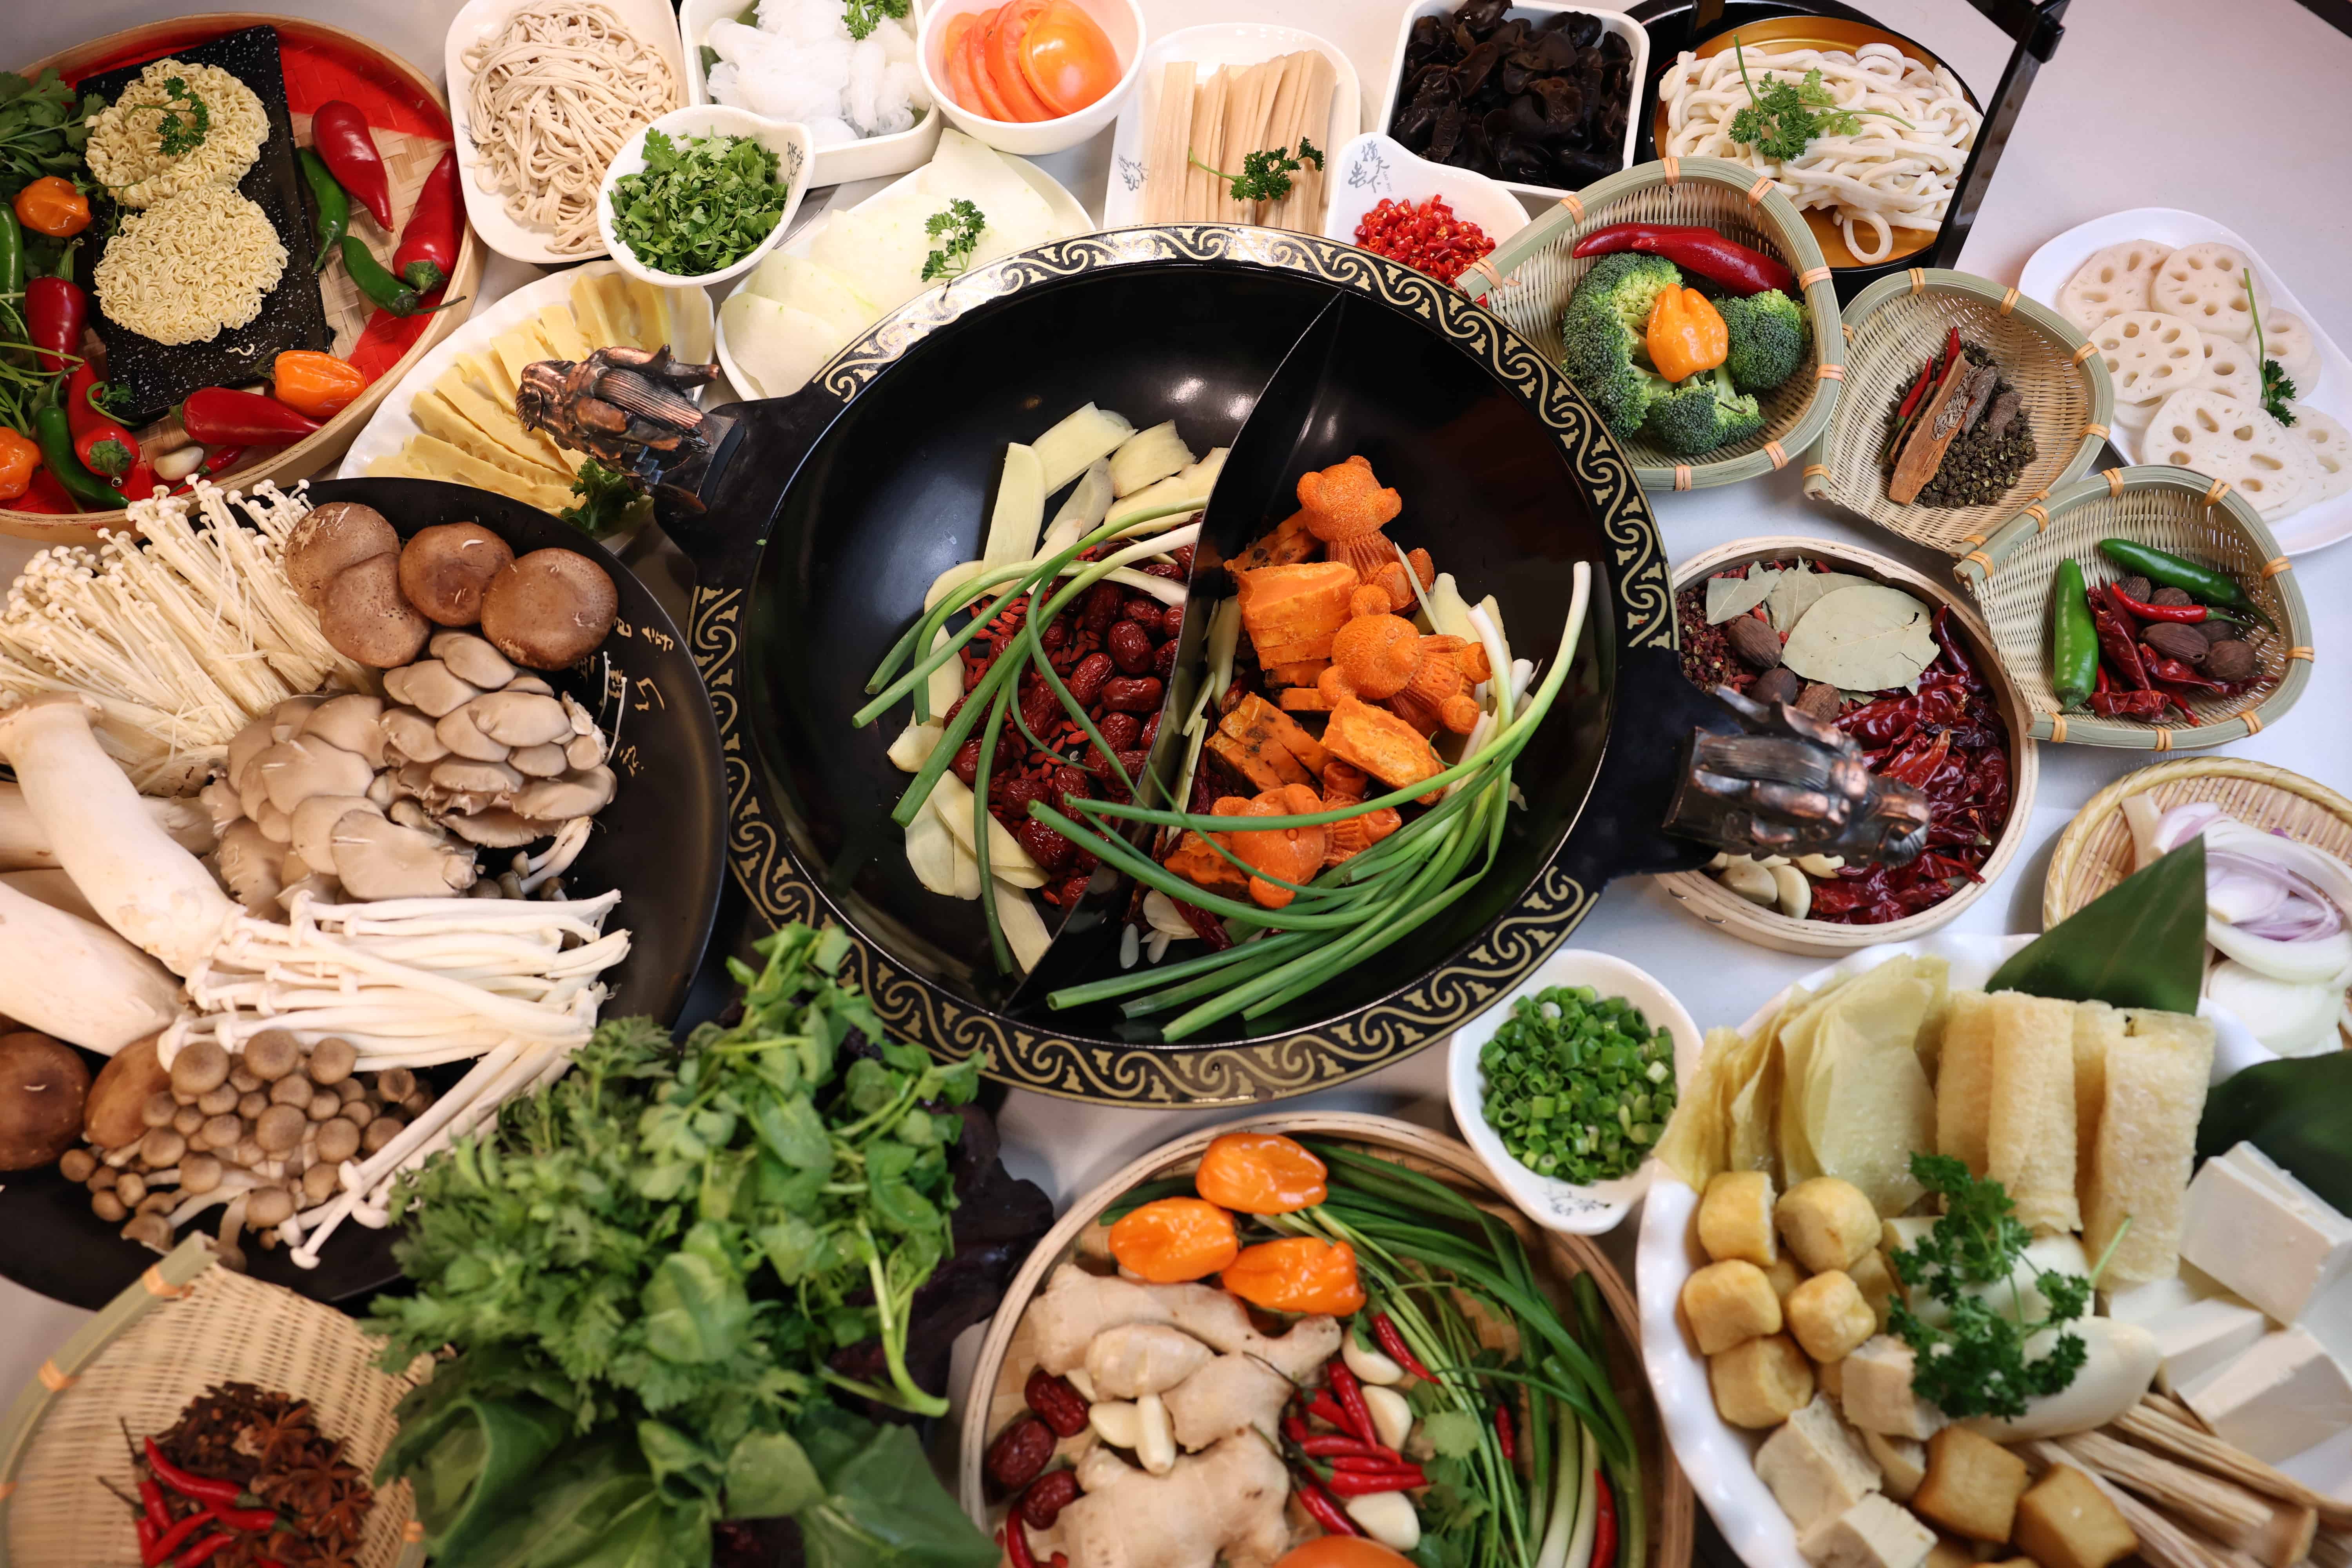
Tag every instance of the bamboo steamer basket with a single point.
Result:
(1700, 895)
(185, 1326)
(1529, 277)
(1006, 1356)
(2095, 850)
(407, 160)
(2174, 509)
(1892, 328)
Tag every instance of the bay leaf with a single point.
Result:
(1727, 597)
(1865, 637)
(1799, 591)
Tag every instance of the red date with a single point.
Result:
(1088, 681)
(1174, 573)
(1172, 621)
(1019, 1453)
(1144, 612)
(1042, 1503)
(1045, 846)
(1164, 661)
(1131, 694)
(1054, 1398)
(1122, 730)
(1130, 647)
(1102, 607)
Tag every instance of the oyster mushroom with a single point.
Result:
(378, 859)
(429, 686)
(352, 722)
(411, 735)
(498, 829)
(514, 718)
(539, 762)
(562, 799)
(291, 716)
(249, 863)
(550, 609)
(464, 739)
(314, 828)
(445, 570)
(295, 770)
(470, 657)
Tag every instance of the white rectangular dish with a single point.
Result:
(1636, 37)
(2049, 269)
(649, 20)
(836, 166)
(1213, 45)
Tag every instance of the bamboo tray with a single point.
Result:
(1006, 1358)
(2094, 852)
(409, 121)
(1528, 278)
(2171, 509)
(1891, 329)
(1700, 895)
(183, 1327)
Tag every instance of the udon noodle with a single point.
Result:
(1892, 173)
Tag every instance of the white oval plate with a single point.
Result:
(1217, 43)
(2048, 270)
(1573, 1208)
(650, 20)
(1066, 209)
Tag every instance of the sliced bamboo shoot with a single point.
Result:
(1019, 514)
(1147, 456)
(1081, 437)
(1006, 859)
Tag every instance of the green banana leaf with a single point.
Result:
(2141, 944)
(2298, 1112)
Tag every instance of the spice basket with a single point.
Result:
(1528, 278)
(1700, 895)
(1891, 328)
(2174, 510)
(2094, 852)
(183, 1327)
(1007, 1354)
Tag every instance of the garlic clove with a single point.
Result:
(1794, 894)
(1368, 1364)
(1820, 864)
(1388, 1518)
(1392, 1416)
(1117, 1422)
(1155, 1437)
(1750, 881)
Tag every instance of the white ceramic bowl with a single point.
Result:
(1121, 20)
(1569, 1207)
(1632, 32)
(843, 161)
(790, 143)
(1377, 166)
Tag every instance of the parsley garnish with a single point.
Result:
(862, 16)
(1975, 1365)
(1783, 119)
(957, 231)
(180, 136)
(1266, 175)
(610, 501)
(2278, 387)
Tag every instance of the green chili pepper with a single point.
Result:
(12, 253)
(379, 285)
(2171, 572)
(2074, 638)
(55, 436)
(334, 206)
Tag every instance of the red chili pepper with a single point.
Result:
(340, 133)
(1701, 249)
(150, 1498)
(1320, 1507)
(2187, 615)
(1604, 1530)
(1386, 1463)
(56, 312)
(1505, 1439)
(1015, 1537)
(428, 246)
(108, 450)
(1427, 236)
(1392, 1343)
(203, 1488)
(1349, 1483)
(1334, 1445)
(45, 495)
(148, 1536)
(1295, 1428)
(2103, 679)
(217, 461)
(2131, 704)
(141, 481)
(202, 1551)
(2117, 642)
(1325, 1408)
(258, 1521)
(1350, 1395)
(169, 1540)
(1918, 390)
(216, 415)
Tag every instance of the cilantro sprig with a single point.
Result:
(2278, 387)
(957, 231)
(1266, 174)
(1975, 1363)
(700, 203)
(1785, 118)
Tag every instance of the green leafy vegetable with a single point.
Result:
(1266, 175)
(862, 16)
(2297, 1110)
(1975, 1365)
(2141, 944)
(1577, 1087)
(957, 231)
(42, 129)
(610, 501)
(2278, 387)
(1783, 118)
(700, 203)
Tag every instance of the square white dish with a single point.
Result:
(836, 166)
(2049, 269)
(649, 20)
(1215, 44)
(1635, 35)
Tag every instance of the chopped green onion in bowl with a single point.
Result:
(1577, 1087)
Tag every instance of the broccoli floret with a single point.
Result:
(1630, 283)
(1768, 334)
(1600, 336)
(1701, 413)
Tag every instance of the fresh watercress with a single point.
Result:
(700, 203)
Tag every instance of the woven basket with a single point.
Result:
(1892, 328)
(1700, 895)
(1008, 1354)
(2174, 509)
(185, 1326)
(1538, 274)
(2095, 851)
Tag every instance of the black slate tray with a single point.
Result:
(155, 376)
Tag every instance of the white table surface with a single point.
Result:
(2238, 110)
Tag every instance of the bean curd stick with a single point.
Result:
(1205, 147)
(2271, 1533)
(2148, 1426)
(2162, 1543)
(1315, 115)
(1166, 174)
(1281, 120)
(1245, 134)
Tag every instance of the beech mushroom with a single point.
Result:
(331, 1061)
(331, 538)
(445, 570)
(550, 609)
(201, 1066)
(364, 617)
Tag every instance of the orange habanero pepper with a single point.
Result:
(320, 385)
(52, 206)
(1686, 334)
(1260, 1172)
(1297, 1274)
(1173, 1241)
(19, 457)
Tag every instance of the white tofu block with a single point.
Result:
(2140, 1302)
(2196, 1339)
(2276, 1245)
(1901, 1464)
(1878, 1397)
(2277, 1399)
(1815, 1465)
(1872, 1533)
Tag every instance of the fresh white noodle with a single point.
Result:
(1884, 176)
(556, 92)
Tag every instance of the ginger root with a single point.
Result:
(1226, 1503)
(1076, 1306)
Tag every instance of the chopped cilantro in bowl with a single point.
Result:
(700, 203)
